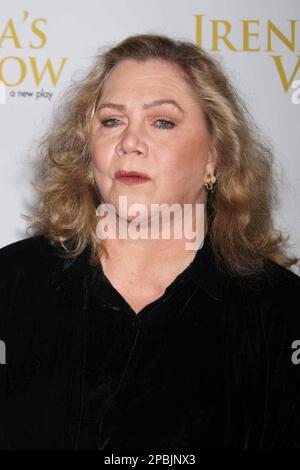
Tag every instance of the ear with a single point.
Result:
(212, 161)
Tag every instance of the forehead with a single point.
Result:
(149, 76)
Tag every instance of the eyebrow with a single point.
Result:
(121, 107)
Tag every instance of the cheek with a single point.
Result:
(101, 156)
(186, 158)
(183, 166)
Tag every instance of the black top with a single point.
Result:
(211, 364)
(140, 369)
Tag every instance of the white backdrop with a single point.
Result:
(45, 44)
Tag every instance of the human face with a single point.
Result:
(170, 144)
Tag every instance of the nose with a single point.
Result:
(131, 142)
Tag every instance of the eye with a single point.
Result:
(166, 124)
(106, 122)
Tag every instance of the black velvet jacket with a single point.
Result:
(212, 364)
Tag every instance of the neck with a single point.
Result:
(158, 254)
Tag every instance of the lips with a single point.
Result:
(137, 174)
(131, 177)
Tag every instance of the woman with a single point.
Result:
(142, 343)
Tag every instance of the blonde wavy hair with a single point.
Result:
(239, 208)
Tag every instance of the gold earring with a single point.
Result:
(211, 179)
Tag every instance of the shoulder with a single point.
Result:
(36, 262)
(25, 246)
(279, 296)
(272, 297)
(31, 258)
(20, 248)
(279, 274)
(274, 280)
(280, 282)
(33, 278)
